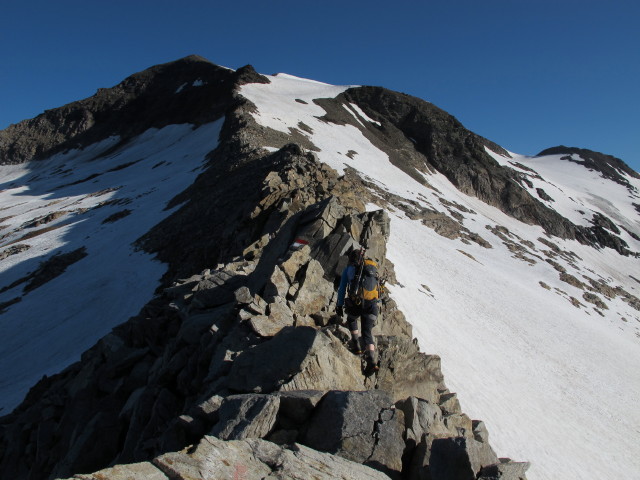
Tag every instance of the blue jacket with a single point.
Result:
(347, 275)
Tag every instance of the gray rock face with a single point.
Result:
(297, 358)
(459, 458)
(134, 471)
(279, 317)
(361, 426)
(405, 371)
(314, 292)
(246, 416)
(422, 418)
(506, 470)
(258, 459)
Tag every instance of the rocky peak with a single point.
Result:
(418, 137)
(609, 166)
(189, 90)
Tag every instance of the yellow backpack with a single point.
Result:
(365, 285)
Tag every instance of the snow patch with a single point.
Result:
(114, 280)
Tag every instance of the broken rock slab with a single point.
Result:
(315, 292)
(246, 416)
(505, 470)
(407, 372)
(279, 317)
(297, 358)
(422, 418)
(459, 458)
(296, 260)
(256, 459)
(134, 471)
(360, 426)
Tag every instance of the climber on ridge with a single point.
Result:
(358, 296)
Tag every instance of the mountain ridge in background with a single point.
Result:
(230, 168)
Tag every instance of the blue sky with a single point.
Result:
(527, 75)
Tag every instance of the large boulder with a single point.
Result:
(315, 292)
(280, 316)
(133, 471)
(216, 289)
(255, 459)
(296, 406)
(407, 372)
(361, 426)
(332, 251)
(246, 416)
(422, 418)
(320, 220)
(277, 286)
(375, 235)
(297, 358)
(459, 458)
(294, 261)
(505, 470)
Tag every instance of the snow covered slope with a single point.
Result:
(539, 336)
(82, 211)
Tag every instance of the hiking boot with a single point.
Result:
(354, 346)
(372, 361)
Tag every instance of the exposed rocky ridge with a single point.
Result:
(608, 165)
(249, 349)
(198, 361)
(189, 90)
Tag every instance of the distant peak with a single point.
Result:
(248, 74)
(193, 58)
(609, 166)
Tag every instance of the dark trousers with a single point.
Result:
(368, 312)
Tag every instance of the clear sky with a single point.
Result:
(525, 74)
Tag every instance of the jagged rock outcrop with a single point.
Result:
(419, 137)
(361, 426)
(251, 459)
(608, 165)
(240, 352)
(192, 89)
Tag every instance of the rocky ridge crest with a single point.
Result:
(241, 368)
(250, 350)
(192, 89)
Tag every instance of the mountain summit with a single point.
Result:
(170, 250)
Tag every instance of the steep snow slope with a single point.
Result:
(96, 202)
(533, 334)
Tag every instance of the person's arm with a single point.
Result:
(342, 289)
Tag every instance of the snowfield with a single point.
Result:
(83, 190)
(557, 384)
